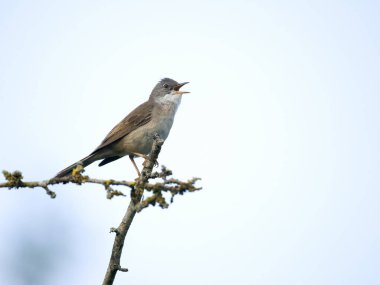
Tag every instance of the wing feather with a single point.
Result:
(137, 118)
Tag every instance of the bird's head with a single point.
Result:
(167, 87)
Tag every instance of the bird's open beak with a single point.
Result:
(176, 89)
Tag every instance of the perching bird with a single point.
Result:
(133, 136)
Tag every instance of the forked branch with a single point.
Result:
(165, 185)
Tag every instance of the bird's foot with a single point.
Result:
(146, 161)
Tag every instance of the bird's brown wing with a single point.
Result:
(137, 118)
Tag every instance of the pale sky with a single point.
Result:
(282, 125)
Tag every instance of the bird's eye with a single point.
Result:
(166, 86)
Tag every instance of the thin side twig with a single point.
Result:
(174, 186)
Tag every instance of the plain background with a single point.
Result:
(282, 125)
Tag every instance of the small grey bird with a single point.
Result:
(133, 136)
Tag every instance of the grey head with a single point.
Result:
(167, 86)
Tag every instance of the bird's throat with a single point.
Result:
(169, 101)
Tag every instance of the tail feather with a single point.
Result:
(85, 162)
(108, 160)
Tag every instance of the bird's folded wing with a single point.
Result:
(137, 118)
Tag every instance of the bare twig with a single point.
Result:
(134, 206)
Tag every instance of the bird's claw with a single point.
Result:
(146, 161)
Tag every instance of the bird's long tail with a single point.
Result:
(84, 162)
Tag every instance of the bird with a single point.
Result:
(134, 135)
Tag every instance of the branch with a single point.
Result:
(14, 181)
(167, 185)
(174, 186)
(133, 208)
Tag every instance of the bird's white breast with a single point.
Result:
(164, 113)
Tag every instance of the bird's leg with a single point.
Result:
(145, 157)
(134, 164)
(141, 155)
